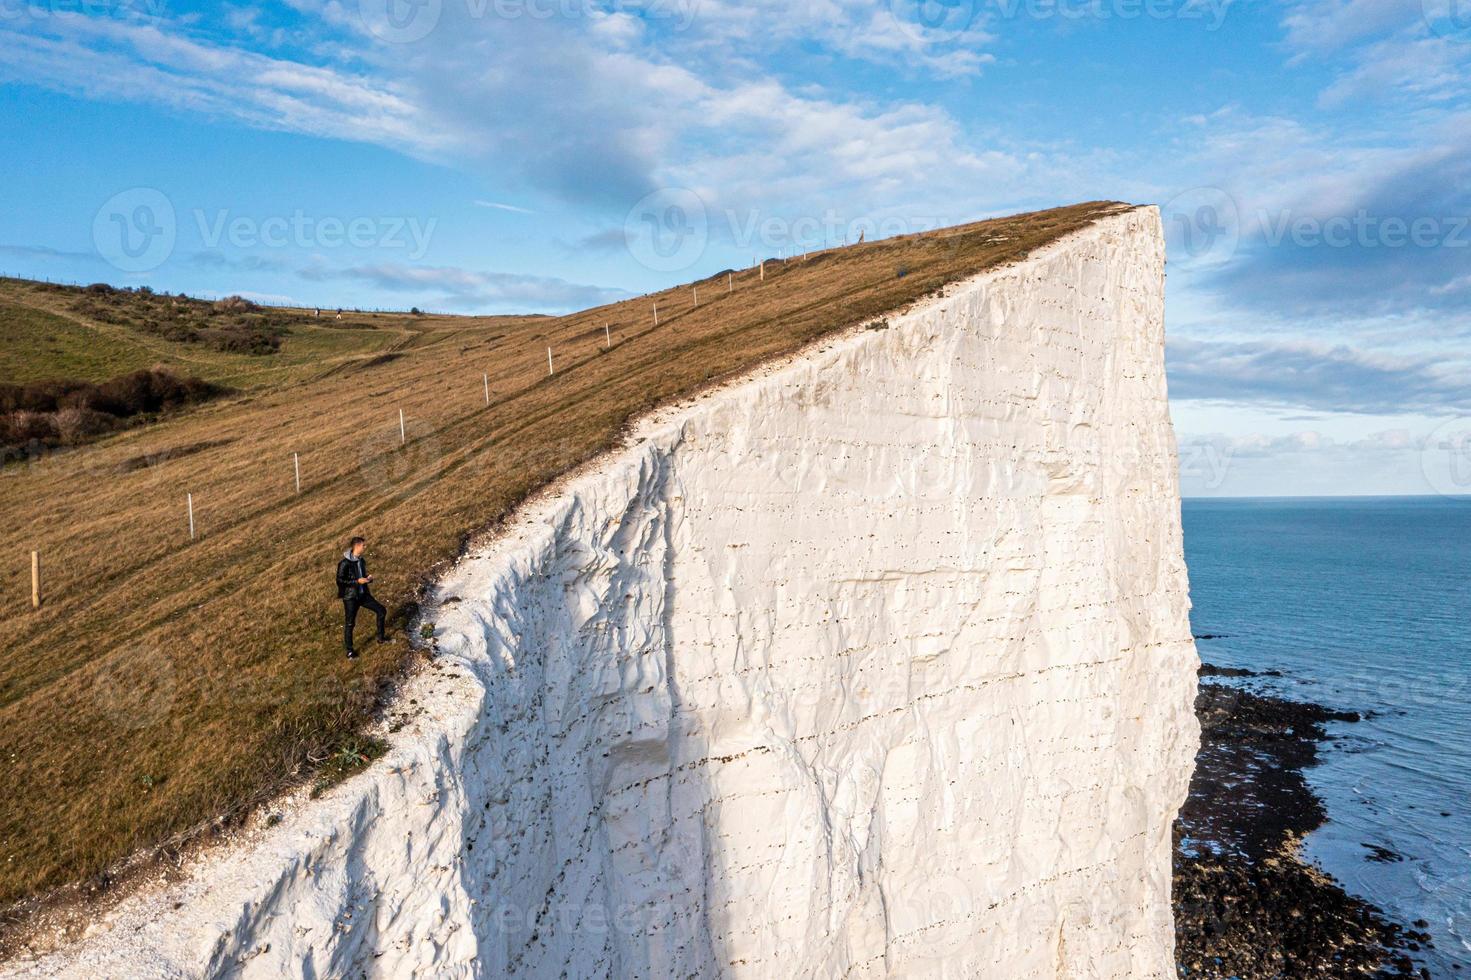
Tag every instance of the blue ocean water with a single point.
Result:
(1364, 604)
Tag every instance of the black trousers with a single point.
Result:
(350, 606)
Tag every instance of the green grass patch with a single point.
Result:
(39, 346)
(351, 757)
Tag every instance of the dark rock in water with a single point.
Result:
(1383, 855)
(1212, 670)
(1211, 636)
(1246, 905)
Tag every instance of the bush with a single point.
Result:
(75, 426)
(233, 324)
(24, 427)
(37, 416)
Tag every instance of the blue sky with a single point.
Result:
(1313, 160)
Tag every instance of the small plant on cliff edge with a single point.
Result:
(353, 756)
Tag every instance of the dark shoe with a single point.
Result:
(384, 639)
(352, 655)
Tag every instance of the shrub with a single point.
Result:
(75, 425)
(42, 414)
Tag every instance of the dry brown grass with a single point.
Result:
(166, 682)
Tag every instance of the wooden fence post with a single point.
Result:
(486, 376)
(189, 501)
(35, 580)
(608, 336)
(403, 435)
(296, 461)
(549, 361)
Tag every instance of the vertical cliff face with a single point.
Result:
(877, 663)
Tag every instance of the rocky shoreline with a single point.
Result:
(1246, 905)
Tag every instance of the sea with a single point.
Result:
(1363, 604)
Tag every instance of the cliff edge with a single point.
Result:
(876, 662)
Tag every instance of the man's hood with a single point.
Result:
(348, 555)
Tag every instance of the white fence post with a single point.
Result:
(486, 376)
(189, 500)
(550, 370)
(403, 435)
(296, 461)
(608, 335)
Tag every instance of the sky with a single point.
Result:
(1312, 160)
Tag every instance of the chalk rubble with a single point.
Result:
(874, 663)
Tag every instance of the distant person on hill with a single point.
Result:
(352, 588)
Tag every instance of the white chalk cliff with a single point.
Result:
(874, 663)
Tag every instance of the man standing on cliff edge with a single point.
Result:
(352, 588)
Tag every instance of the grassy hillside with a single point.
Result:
(168, 681)
(52, 331)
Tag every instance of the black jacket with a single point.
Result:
(349, 570)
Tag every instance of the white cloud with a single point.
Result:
(498, 206)
(465, 289)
